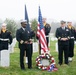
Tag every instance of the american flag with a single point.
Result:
(41, 33)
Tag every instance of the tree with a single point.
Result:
(11, 26)
(34, 26)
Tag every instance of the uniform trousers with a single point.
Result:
(27, 48)
(47, 39)
(63, 49)
(71, 48)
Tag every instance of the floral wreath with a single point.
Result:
(51, 67)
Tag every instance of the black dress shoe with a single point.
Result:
(29, 67)
(59, 64)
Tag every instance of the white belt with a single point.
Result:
(72, 37)
(47, 36)
(4, 39)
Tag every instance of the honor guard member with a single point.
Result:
(47, 28)
(22, 36)
(71, 40)
(31, 35)
(63, 36)
(5, 38)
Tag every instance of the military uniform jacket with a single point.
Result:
(5, 39)
(22, 35)
(75, 35)
(47, 29)
(72, 35)
(60, 33)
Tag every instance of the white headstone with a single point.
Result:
(35, 47)
(11, 47)
(4, 58)
(74, 42)
(56, 46)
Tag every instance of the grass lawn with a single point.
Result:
(14, 68)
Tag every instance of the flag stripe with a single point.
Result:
(41, 33)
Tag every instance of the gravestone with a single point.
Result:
(56, 46)
(4, 58)
(35, 47)
(11, 47)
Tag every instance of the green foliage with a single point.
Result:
(34, 27)
(11, 26)
(14, 68)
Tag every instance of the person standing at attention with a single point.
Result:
(5, 40)
(71, 41)
(63, 36)
(23, 37)
(47, 28)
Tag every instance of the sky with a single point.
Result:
(53, 9)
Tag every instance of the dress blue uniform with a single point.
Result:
(24, 35)
(63, 45)
(47, 28)
(71, 41)
(5, 39)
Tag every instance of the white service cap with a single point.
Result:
(4, 24)
(23, 21)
